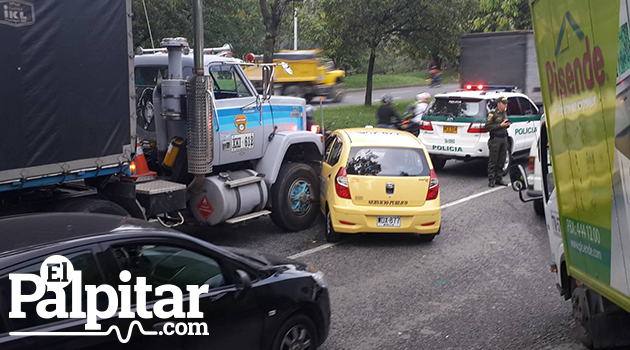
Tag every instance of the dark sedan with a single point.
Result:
(131, 275)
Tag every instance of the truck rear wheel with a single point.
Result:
(293, 90)
(582, 316)
(294, 197)
(90, 205)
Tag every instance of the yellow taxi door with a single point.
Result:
(330, 166)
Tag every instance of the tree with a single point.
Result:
(272, 15)
(500, 15)
(235, 22)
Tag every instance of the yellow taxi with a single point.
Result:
(378, 180)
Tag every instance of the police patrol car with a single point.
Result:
(453, 125)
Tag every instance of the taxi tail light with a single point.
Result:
(341, 183)
(531, 162)
(477, 128)
(434, 186)
(426, 125)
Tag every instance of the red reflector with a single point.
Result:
(428, 224)
(531, 163)
(405, 122)
(346, 223)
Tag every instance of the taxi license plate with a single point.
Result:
(450, 130)
(388, 221)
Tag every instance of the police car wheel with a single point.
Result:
(294, 197)
(507, 162)
(332, 236)
(438, 163)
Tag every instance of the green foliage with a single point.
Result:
(356, 116)
(501, 15)
(237, 22)
(383, 80)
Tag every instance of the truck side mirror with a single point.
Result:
(286, 68)
(518, 178)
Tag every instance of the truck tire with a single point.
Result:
(294, 196)
(297, 332)
(293, 90)
(539, 207)
(582, 317)
(438, 163)
(90, 205)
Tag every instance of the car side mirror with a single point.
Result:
(244, 281)
(518, 178)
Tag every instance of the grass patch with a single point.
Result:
(355, 116)
(381, 80)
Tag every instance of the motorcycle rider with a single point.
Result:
(420, 106)
(434, 73)
(387, 116)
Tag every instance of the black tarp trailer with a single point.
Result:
(67, 100)
(501, 58)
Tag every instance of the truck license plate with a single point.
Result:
(450, 130)
(242, 141)
(388, 221)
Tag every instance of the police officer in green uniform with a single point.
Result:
(497, 124)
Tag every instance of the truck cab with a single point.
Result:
(255, 140)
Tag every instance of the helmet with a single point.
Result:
(387, 98)
(423, 97)
(310, 112)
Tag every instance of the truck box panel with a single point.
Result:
(66, 98)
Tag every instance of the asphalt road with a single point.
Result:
(401, 93)
(484, 283)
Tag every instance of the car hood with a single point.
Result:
(266, 259)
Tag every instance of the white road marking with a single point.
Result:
(466, 199)
(311, 251)
(444, 206)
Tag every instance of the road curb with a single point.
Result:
(386, 87)
(394, 87)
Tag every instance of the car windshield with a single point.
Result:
(457, 107)
(387, 161)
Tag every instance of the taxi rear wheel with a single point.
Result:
(332, 236)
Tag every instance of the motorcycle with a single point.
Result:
(408, 124)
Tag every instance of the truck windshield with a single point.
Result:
(387, 161)
(457, 107)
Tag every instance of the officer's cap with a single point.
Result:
(502, 99)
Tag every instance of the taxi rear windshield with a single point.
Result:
(457, 108)
(387, 161)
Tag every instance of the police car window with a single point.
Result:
(386, 161)
(513, 108)
(228, 84)
(527, 107)
(81, 261)
(456, 107)
(150, 76)
(335, 152)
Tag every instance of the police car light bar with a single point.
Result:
(507, 88)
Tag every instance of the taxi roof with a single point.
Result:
(381, 137)
(482, 94)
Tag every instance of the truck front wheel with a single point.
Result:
(294, 196)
